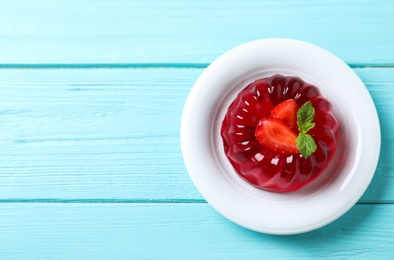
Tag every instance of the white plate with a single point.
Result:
(333, 193)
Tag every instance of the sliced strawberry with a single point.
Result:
(287, 112)
(275, 135)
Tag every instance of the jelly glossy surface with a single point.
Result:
(261, 167)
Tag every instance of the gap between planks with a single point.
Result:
(145, 66)
(132, 201)
(106, 201)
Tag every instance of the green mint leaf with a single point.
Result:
(307, 127)
(306, 144)
(305, 115)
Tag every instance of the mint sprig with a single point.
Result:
(305, 142)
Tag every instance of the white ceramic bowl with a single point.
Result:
(334, 192)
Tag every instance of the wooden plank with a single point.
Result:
(174, 31)
(113, 134)
(180, 231)
(74, 134)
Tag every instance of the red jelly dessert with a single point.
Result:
(279, 133)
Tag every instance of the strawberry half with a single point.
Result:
(275, 135)
(287, 112)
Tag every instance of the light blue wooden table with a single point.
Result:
(91, 96)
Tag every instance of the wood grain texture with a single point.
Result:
(174, 31)
(93, 134)
(113, 134)
(180, 231)
(91, 96)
